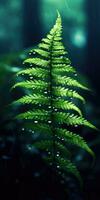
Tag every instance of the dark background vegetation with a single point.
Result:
(23, 23)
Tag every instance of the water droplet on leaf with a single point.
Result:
(49, 122)
(35, 122)
(45, 92)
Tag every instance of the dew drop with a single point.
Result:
(55, 109)
(23, 129)
(58, 166)
(32, 131)
(35, 122)
(30, 53)
(45, 92)
(49, 122)
(29, 147)
(49, 106)
(76, 125)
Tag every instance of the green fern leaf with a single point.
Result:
(35, 72)
(75, 139)
(41, 52)
(32, 84)
(63, 92)
(48, 146)
(71, 119)
(51, 96)
(33, 99)
(65, 165)
(63, 68)
(44, 46)
(63, 134)
(68, 166)
(37, 61)
(66, 105)
(67, 81)
(40, 115)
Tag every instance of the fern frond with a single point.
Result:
(63, 134)
(44, 46)
(51, 91)
(59, 53)
(36, 84)
(43, 128)
(42, 52)
(67, 81)
(48, 146)
(71, 119)
(37, 72)
(63, 68)
(46, 40)
(74, 139)
(58, 47)
(66, 105)
(39, 115)
(61, 60)
(67, 165)
(33, 99)
(63, 92)
(37, 61)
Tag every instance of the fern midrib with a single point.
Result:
(51, 99)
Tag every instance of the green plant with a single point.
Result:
(51, 84)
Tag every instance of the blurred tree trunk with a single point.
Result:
(93, 57)
(32, 24)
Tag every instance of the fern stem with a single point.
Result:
(51, 99)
